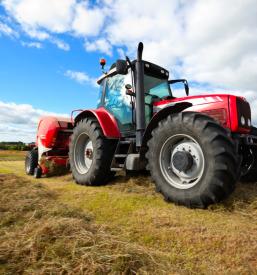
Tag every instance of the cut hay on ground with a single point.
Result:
(38, 235)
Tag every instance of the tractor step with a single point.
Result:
(116, 169)
(120, 155)
(124, 147)
(125, 142)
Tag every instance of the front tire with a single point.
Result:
(90, 153)
(192, 160)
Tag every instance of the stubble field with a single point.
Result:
(53, 226)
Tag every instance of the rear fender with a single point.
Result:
(177, 108)
(106, 120)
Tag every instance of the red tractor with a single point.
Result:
(195, 147)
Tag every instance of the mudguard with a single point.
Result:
(176, 108)
(106, 120)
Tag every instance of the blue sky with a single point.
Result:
(50, 51)
(37, 76)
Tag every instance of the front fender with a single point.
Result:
(106, 120)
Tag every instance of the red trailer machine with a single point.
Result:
(50, 155)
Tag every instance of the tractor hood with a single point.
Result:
(194, 100)
(230, 111)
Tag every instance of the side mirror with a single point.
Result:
(184, 81)
(121, 66)
(129, 90)
(186, 87)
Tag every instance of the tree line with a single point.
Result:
(20, 146)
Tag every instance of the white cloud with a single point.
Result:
(53, 15)
(60, 44)
(41, 19)
(101, 45)
(41, 36)
(87, 21)
(35, 33)
(121, 53)
(34, 44)
(7, 30)
(18, 122)
(206, 41)
(81, 77)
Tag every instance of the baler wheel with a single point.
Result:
(251, 176)
(31, 161)
(192, 160)
(37, 172)
(91, 154)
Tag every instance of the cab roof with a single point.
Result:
(149, 68)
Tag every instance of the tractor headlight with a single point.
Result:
(249, 122)
(243, 120)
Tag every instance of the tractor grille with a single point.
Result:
(243, 110)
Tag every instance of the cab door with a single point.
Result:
(117, 102)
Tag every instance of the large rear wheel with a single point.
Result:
(192, 160)
(90, 153)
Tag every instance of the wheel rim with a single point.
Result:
(188, 149)
(83, 153)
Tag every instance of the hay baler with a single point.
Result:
(50, 154)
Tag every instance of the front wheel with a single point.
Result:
(91, 154)
(192, 160)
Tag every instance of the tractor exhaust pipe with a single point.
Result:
(140, 96)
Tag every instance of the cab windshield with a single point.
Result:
(156, 86)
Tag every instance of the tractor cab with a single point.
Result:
(117, 92)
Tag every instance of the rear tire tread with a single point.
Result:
(221, 181)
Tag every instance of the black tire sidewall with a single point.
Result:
(103, 151)
(31, 161)
(219, 175)
(83, 128)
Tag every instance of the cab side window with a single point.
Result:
(116, 100)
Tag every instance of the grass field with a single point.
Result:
(11, 155)
(53, 226)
